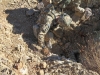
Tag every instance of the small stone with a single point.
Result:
(46, 70)
(52, 70)
(43, 65)
(79, 66)
(29, 12)
(24, 70)
(47, 73)
(62, 74)
(70, 64)
(68, 61)
(41, 72)
(59, 62)
(18, 65)
(40, 5)
(63, 58)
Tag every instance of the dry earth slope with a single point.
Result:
(18, 56)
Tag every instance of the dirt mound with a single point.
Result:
(20, 54)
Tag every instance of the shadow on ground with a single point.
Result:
(23, 24)
(84, 41)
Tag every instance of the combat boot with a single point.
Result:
(45, 51)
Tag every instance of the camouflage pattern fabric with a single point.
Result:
(45, 25)
(43, 31)
(47, 38)
(48, 15)
(45, 21)
(64, 20)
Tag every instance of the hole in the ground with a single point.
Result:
(61, 54)
(77, 54)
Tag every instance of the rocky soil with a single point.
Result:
(20, 54)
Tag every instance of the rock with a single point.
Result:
(53, 57)
(79, 66)
(52, 70)
(43, 65)
(62, 74)
(21, 68)
(29, 12)
(7, 71)
(41, 72)
(46, 70)
(18, 65)
(56, 70)
(58, 62)
(16, 31)
(70, 64)
(68, 61)
(40, 5)
(20, 48)
(47, 73)
(24, 70)
(63, 58)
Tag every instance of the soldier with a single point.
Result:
(49, 15)
(62, 23)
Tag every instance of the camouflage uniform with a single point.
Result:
(44, 24)
(48, 15)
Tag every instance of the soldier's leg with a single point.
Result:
(43, 31)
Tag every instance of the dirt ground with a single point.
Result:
(18, 46)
